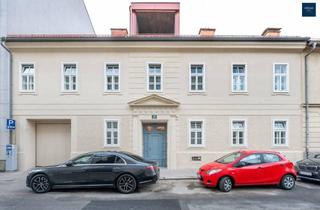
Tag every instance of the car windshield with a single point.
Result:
(134, 156)
(229, 158)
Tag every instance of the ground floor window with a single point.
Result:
(280, 132)
(196, 133)
(111, 133)
(238, 132)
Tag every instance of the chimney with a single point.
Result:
(118, 32)
(271, 32)
(207, 31)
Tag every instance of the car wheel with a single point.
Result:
(126, 183)
(287, 182)
(40, 184)
(225, 184)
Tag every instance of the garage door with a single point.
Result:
(52, 144)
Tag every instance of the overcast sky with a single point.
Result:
(229, 17)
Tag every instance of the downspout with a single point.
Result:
(3, 44)
(306, 95)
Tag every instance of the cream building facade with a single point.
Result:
(182, 101)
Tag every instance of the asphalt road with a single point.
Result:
(165, 195)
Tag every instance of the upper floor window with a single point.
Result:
(280, 78)
(111, 133)
(238, 132)
(196, 77)
(196, 133)
(70, 77)
(154, 77)
(239, 78)
(27, 78)
(280, 132)
(112, 77)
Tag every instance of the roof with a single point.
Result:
(101, 38)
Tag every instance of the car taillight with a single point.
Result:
(152, 168)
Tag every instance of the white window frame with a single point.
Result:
(203, 143)
(203, 78)
(287, 81)
(63, 90)
(161, 76)
(245, 137)
(246, 78)
(20, 77)
(287, 133)
(105, 77)
(105, 133)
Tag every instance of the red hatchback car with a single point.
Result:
(249, 168)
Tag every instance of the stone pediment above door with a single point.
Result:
(153, 100)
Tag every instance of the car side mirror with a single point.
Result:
(69, 163)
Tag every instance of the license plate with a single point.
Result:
(305, 173)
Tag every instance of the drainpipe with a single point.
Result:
(306, 95)
(10, 82)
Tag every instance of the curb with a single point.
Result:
(178, 178)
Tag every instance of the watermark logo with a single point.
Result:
(308, 9)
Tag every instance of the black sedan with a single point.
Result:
(309, 168)
(121, 170)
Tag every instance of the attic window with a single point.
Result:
(155, 22)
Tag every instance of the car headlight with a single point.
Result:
(213, 171)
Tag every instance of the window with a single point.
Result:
(238, 132)
(196, 77)
(239, 78)
(111, 133)
(27, 78)
(280, 130)
(253, 159)
(69, 77)
(112, 77)
(196, 133)
(229, 158)
(86, 159)
(280, 80)
(104, 159)
(154, 77)
(271, 158)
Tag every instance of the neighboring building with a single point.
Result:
(21, 17)
(314, 100)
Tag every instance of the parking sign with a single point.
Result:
(11, 124)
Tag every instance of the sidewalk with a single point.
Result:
(177, 174)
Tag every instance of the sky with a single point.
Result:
(228, 17)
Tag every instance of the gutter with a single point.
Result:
(306, 95)
(10, 83)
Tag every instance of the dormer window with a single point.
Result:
(154, 18)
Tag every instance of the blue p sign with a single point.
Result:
(11, 124)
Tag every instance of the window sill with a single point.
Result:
(28, 93)
(240, 146)
(203, 93)
(280, 94)
(112, 93)
(196, 146)
(280, 146)
(69, 93)
(244, 93)
(113, 146)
